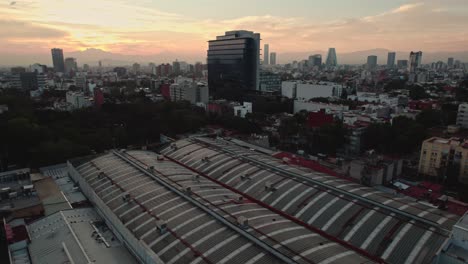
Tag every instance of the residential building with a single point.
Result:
(462, 116)
(176, 67)
(77, 100)
(194, 92)
(371, 62)
(269, 82)
(402, 64)
(439, 155)
(233, 64)
(17, 70)
(57, 59)
(319, 119)
(311, 106)
(266, 54)
(273, 58)
(332, 60)
(391, 59)
(136, 68)
(415, 61)
(121, 71)
(38, 68)
(242, 110)
(80, 82)
(450, 62)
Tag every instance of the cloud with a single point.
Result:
(134, 28)
(405, 8)
(11, 29)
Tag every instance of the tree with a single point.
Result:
(417, 92)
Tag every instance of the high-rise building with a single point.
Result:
(273, 58)
(266, 54)
(136, 68)
(371, 62)
(86, 67)
(57, 59)
(402, 64)
(391, 59)
(450, 62)
(315, 60)
(270, 82)
(176, 67)
(198, 69)
(70, 65)
(233, 64)
(332, 60)
(415, 61)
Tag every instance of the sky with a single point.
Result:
(144, 27)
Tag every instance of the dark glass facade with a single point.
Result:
(57, 59)
(232, 67)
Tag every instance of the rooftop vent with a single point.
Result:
(126, 197)
(243, 221)
(269, 187)
(161, 226)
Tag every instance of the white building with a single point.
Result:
(462, 117)
(289, 89)
(306, 90)
(80, 82)
(316, 106)
(77, 100)
(194, 92)
(243, 110)
(374, 98)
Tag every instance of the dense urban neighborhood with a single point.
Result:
(145, 163)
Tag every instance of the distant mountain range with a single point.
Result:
(93, 56)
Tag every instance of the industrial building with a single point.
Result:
(379, 225)
(165, 212)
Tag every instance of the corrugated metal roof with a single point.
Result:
(140, 199)
(394, 229)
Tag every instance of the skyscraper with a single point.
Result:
(233, 64)
(391, 59)
(315, 60)
(415, 61)
(57, 59)
(266, 54)
(450, 62)
(70, 65)
(371, 62)
(332, 60)
(273, 58)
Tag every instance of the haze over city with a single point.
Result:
(165, 30)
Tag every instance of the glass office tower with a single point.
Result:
(233, 64)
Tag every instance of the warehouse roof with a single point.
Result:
(395, 229)
(75, 236)
(184, 217)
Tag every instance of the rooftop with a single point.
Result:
(75, 236)
(206, 221)
(395, 229)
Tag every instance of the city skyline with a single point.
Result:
(145, 27)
